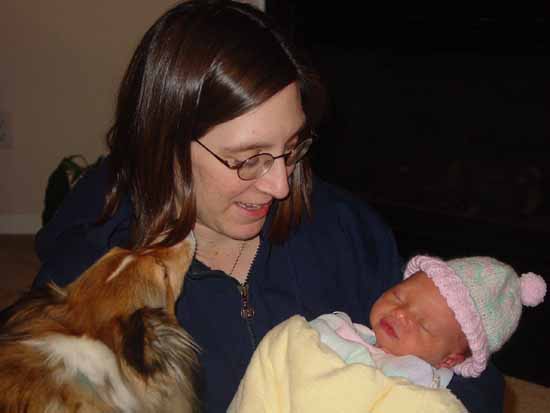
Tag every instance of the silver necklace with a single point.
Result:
(237, 259)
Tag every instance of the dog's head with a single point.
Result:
(123, 281)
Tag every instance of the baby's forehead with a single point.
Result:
(421, 287)
(418, 279)
(425, 291)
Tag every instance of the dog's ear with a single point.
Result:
(152, 342)
(163, 354)
(133, 343)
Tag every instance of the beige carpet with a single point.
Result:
(20, 265)
(525, 397)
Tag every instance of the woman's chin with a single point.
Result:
(248, 231)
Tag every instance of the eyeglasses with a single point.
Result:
(258, 165)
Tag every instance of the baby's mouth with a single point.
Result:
(388, 328)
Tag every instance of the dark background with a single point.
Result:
(438, 117)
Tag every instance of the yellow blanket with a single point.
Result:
(292, 371)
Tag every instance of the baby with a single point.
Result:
(443, 317)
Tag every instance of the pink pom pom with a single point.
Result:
(533, 289)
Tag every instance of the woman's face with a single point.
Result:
(414, 318)
(227, 205)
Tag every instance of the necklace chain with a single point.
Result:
(237, 259)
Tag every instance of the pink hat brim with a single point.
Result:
(460, 302)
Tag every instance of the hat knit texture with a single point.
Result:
(486, 297)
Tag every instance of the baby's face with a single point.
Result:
(413, 318)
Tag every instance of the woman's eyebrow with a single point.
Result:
(258, 145)
(245, 147)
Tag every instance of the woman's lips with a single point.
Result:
(388, 328)
(254, 210)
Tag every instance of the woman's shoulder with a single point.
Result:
(335, 206)
(80, 212)
(74, 238)
(340, 222)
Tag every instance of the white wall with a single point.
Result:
(60, 65)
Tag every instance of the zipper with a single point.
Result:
(247, 311)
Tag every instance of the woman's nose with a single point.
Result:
(275, 181)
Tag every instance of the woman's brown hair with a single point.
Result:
(201, 64)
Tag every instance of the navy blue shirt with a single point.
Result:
(340, 259)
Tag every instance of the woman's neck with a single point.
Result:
(220, 252)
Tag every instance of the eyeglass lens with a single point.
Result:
(257, 166)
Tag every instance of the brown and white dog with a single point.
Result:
(108, 342)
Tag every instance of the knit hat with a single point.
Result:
(486, 297)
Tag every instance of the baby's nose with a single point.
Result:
(403, 316)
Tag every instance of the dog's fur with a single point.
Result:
(108, 342)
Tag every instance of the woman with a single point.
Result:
(214, 118)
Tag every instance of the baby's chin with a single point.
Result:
(384, 344)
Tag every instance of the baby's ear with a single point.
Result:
(451, 360)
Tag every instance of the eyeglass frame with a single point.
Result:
(239, 164)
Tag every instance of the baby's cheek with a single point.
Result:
(407, 344)
(396, 347)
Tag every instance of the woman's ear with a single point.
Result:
(451, 360)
